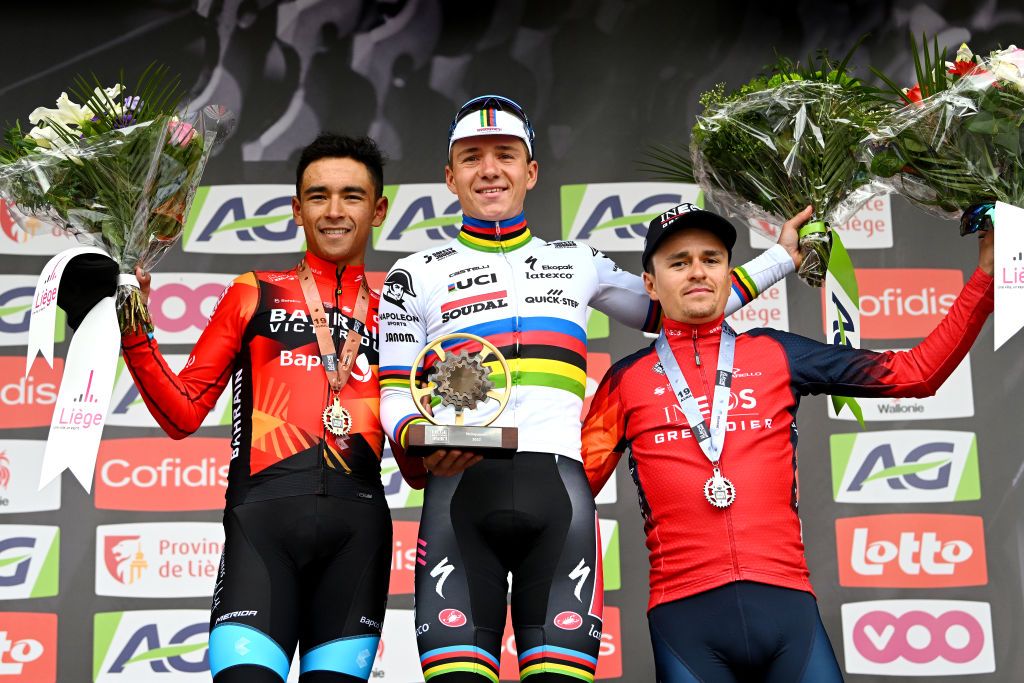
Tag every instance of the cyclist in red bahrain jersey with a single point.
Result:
(730, 595)
(307, 528)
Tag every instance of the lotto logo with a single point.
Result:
(911, 551)
(28, 647)
(918, 637)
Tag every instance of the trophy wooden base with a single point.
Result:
(489, 442)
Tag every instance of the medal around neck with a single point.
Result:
(461, 379)
(719, 491)
(337, 419)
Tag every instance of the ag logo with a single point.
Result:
(907, 466)
(422, 216)
(256, 219)
(151, 646)
(16, 292)
(29, 561)
(614, 216)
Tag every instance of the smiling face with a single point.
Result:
(337, 208)
(491, 175)
(690, 276)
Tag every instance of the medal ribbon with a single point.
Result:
(711, 439)
(337, 373)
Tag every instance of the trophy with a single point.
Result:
(460, 379)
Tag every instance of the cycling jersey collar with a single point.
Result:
(674, 328)
(328, 271)
(493, 236)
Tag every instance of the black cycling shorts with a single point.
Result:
(742, 631)
(532, 516)
(307, 569)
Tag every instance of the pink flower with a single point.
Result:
(181, 133)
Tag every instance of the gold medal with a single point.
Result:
(337, 419)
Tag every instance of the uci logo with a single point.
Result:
(421, 216)
(614, 216)
(255, 218)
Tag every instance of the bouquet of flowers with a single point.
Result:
(954, 145)
(784, 140)
(115, 166)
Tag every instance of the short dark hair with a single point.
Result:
(331, 145)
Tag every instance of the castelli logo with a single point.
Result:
(568, 621)
(452, 618)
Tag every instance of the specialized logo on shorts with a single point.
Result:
(151, 646)
(911, 551)
(452, 618)
(420, 216)
(20, 465)
(614, 216)
(918, 637)
(908, 466)
(441, 572)
(29, 561)
(568, 621)
(955, 398)
(28, 647)
(251, 219)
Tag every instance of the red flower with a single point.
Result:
(961, 68)
(913, 94)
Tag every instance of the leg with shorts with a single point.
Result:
(307, 569)
(742, 631)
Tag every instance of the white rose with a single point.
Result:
(1008, 66)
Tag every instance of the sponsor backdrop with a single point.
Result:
(912, 525)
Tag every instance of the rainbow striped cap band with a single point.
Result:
(490, 121)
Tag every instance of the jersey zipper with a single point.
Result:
(728, 511)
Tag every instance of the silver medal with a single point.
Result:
(719, 491)
(337, 419)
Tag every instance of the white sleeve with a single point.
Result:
(403, 334)
(757, 275)
(622, 296)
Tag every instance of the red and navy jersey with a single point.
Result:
(261, 340)
(694, 546)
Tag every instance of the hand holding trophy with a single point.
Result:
(462, 381)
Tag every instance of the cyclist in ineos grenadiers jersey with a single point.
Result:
(531, 515)
(307, 528)
(709, 417)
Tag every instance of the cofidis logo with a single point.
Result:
(28, 647)
(151, 646)
(911, 551)
(158, 560)
(27, 401)
(421, 216)
(254, 219)
(905, 303)
(911, 466)
(918, 637)
(29, 561)
(20, 465)
(162, 475)
(955, 398)
(614, 216)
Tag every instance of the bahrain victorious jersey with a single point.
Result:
(261, 340)
(694, 546)
(530, 299)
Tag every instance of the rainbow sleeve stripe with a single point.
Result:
(403, 425)
(744, 285)
(652, 323)
(394, 377)
(549, 659)
(465, 658)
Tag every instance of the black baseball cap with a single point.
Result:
(686, 216)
